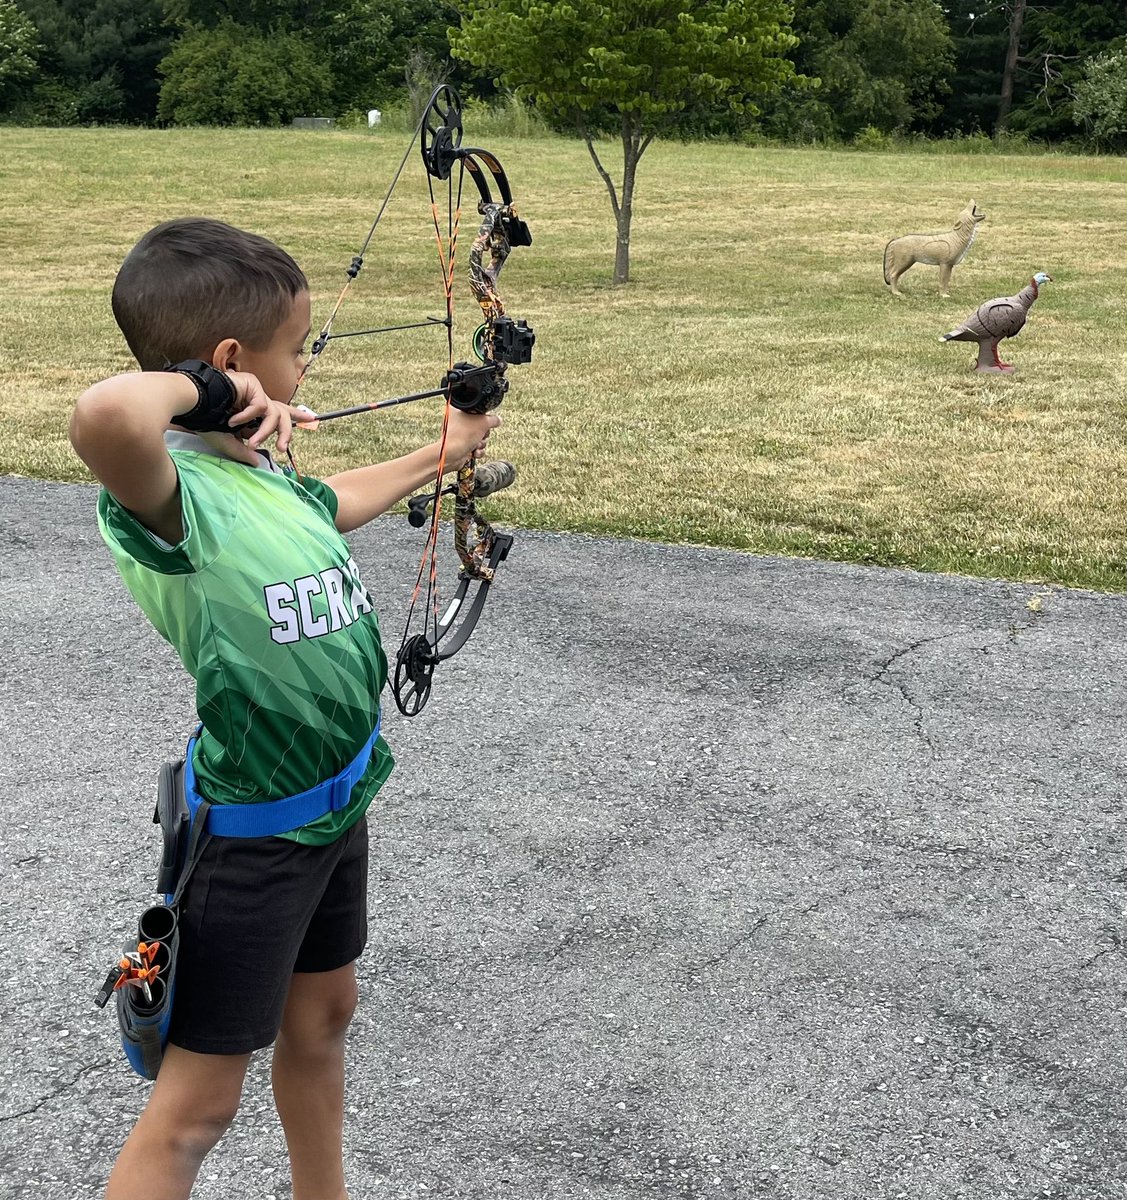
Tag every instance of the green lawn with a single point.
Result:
(755, 386)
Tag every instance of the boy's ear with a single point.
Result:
(225, 356)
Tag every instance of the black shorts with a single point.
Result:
(255, 911)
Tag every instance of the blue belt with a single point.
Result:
(271, 817)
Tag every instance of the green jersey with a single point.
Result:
(265, 607)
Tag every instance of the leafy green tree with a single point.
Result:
(98, 60)
(19, 48)
(1056, 42)
(628, 67)
(355, 38)
(385, 52)
(230, 75)
(1051, 44)
(882, 64)
(368, 45)
(979, 36)
(1101, 99)
(263, 15)
(415, 43)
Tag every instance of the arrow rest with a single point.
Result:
(476, 389)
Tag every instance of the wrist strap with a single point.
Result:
(217, 396)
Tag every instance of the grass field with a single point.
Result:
(755, 386)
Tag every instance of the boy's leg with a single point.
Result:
(194, 1099)
(308, 1079)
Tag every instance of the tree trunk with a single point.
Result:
(634, 144)
(1017, 19)
(626, 210)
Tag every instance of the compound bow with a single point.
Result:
(498, 342)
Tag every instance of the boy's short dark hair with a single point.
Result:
(192, 282)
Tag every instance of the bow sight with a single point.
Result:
(512, 341)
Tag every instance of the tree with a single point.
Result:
(1018, 64)
(1005, 102)
(628, 67)
(1101, 99)
(415, 45)
(368, 45)
(19, 47)
(98, 61)
(1057, 41)
(979, 36)
(880, 63)
(263, 15)
(231, 75)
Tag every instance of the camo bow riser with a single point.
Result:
(488, 253)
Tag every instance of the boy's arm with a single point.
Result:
(117, 429)
(366, 492)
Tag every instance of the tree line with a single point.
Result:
(856, 68)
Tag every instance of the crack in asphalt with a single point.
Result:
(1116, 945)
(696, 968)
(44, 1100)
(1013, 630)
(917, 708)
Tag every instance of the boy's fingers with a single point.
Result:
(282, 425)
(275, 420)
(256, 406)
(249, 395)
(285, 429)
(253, 411)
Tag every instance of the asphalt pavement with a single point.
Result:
(703, 875)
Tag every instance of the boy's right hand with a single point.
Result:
(257, 417)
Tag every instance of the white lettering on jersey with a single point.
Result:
(286, 628)
(290, 606)
(361, 601)
(339, 616)
(311, 626)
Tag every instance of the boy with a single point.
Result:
(244, 571)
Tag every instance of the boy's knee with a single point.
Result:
(194, 1134)
(336, 1012)
(195, 1098)
(320, 1009)
(184, 1133)
(342, 1013)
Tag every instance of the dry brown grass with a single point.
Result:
(756, 386)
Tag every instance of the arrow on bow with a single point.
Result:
(475, 388)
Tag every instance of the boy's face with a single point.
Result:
(279, 365)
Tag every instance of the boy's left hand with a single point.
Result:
(467, 434)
